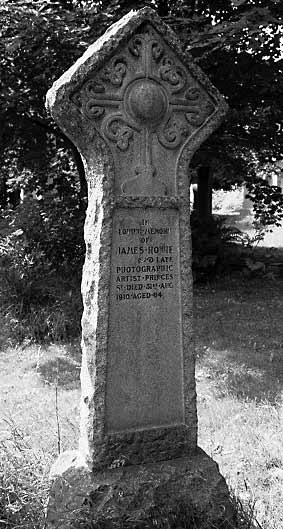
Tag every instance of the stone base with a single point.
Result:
(190, 488)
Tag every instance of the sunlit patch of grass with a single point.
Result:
(240, 389)
(29, 378)
(35, 380)
(239, 337)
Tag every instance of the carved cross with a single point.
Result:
(144, 103)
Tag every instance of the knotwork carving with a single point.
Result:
(139, 42)
(193, 94)
(143, 102)
(87, 100)
(86, 103)
(135, 45)
(117, 130)
(115, 72)
(172, 133)
(92, 110)
(157, 50)
(198, 109)
(197, 116)
(93, 87)
(173, 74)
(77, 99)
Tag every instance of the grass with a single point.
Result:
(29, 440)
(239, 344)
(239, 340)
(38, 307)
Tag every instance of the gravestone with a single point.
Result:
(137, 108)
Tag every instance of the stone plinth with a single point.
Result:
(137, 108)
(186, 488)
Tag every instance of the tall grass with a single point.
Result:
(38, 310)
(239, 343)
(24, 492)
(23, 481)
(177, 516)
(239, 339)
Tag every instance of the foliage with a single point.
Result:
(239, 48)
(213, 246)
(35, 40)
(236, 42)
(23, 482)
(222, 250)
(267, 202)
(41, 255)
(53, 228)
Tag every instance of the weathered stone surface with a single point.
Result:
(134, 493)
(71, 483)
(137, 108)
(145, 373)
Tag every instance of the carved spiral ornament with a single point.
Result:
(144, 92)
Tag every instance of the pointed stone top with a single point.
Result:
(101, 51)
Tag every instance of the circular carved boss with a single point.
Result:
(146, 101)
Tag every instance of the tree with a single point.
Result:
(36, 39)
(236, 42)
(239, 48)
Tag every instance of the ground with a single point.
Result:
(239, 342)
(239, 345)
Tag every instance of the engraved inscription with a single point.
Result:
(144, 372)
(153, 271)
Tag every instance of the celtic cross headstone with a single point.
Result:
(137, 108)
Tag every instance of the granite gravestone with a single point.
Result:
(137, 108)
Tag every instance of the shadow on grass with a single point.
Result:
(61, 371)
(239, 337)
(74, 351)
